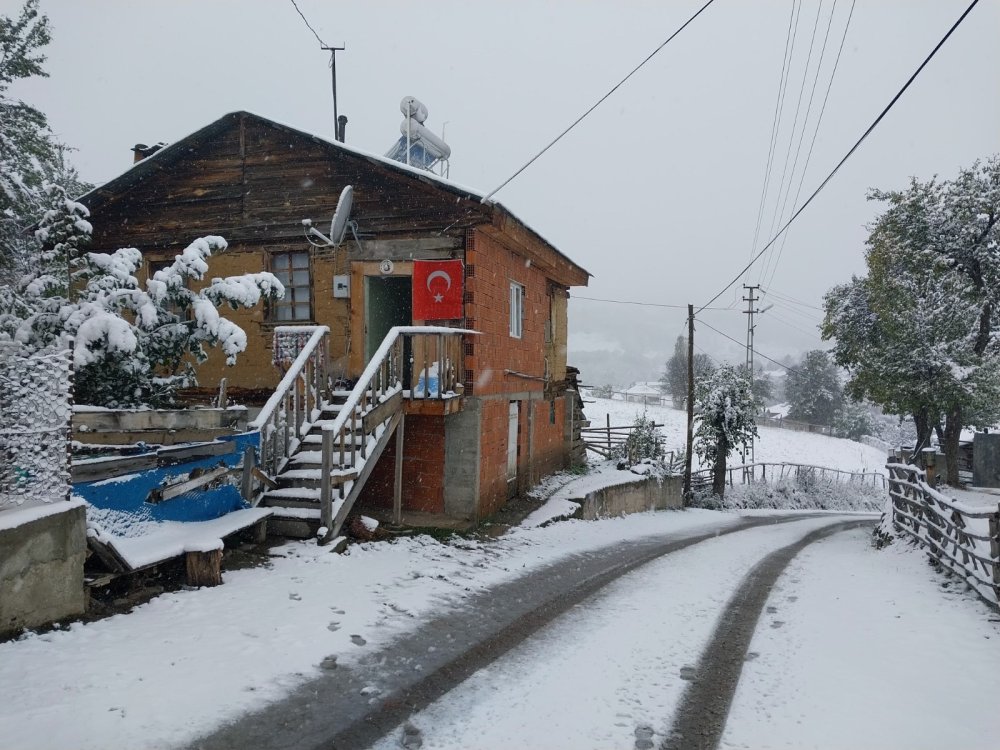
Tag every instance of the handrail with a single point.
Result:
(298, 396)
(293, 372)
(379, 384)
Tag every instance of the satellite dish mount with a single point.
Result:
(339, 224)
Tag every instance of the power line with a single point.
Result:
(791, 136)
(819, 121)
(778, 108)
(309, 25)
(647, 304)
(727, 336)
(597, 103)
(789, 298)
(850, 153)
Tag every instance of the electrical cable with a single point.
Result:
(597, 103)
(309, 25)
(779, 215)
(644, 304)
(756, 351)
(778, 107)
(851, 152)
(819, 121)
(789, 298)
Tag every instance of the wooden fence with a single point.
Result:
(604, 440)
(963, 539)
(764, 472)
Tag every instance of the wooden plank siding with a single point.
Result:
(253, 181)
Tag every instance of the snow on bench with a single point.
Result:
(148, 543)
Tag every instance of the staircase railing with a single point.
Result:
(436, 359)
(296, 401)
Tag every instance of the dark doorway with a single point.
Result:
(388, 303)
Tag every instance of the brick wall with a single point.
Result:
(423, 468)
(549, 439)
(490, 269)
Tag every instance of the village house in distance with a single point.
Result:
(422, 243)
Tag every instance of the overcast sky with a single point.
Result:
(656, 193)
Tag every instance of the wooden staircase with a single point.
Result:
(297, 498)
(318, 446)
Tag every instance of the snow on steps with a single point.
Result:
(295, 503)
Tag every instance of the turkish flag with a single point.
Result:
(438, 287)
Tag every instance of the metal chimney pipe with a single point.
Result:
(341, 127)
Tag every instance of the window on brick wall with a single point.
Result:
(516, 309)
(292, 270)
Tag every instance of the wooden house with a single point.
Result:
(253, 181)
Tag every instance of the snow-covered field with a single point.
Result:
(773, 446)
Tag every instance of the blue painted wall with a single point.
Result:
(128, 493)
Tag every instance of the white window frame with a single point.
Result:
(516, 310)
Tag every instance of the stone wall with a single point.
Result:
(41, 565)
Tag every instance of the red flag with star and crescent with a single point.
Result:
(438, 289)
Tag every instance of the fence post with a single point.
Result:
(249, 462)
(609, 433)
(995, 551)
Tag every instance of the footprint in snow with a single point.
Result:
(333, 627)
(777, 623)
(357, 640)
(295, 597)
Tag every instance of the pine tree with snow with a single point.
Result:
(675, 377)
(812, 389)
(725, 418)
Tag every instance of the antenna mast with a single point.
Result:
(338, 128)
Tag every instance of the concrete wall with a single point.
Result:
(41, 568)
(634, 497)
(461, 461)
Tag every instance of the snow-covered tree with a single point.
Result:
(853, 420)
(675, 377)
(133, 344)
(30, 156)
(812, 389)
(919, 333)
(726, 418)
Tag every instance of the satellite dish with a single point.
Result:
(341, 216)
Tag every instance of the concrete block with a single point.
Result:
(41, 569)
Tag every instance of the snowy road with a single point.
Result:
(585, 653)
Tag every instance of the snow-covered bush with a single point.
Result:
(806, 492)
(133, 344)
(726, 418)
(643, 442)
(853, 420)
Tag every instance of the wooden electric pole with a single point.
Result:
(690, 406)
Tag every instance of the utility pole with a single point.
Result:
(690, 407)
(337, 135)
(748, 450)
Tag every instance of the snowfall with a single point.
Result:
(857, 647)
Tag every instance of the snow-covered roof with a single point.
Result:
(645, 389)
(179, 148)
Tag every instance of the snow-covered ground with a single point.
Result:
(188, 661)
(774, 445)
(866, 649)
(604, 670)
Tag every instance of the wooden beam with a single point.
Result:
(160, 494)
(422, 248)
(397, 486)
(381, 412)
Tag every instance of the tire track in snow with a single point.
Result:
(701, 717)
(340, 710)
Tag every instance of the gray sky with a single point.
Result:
(656, 193)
